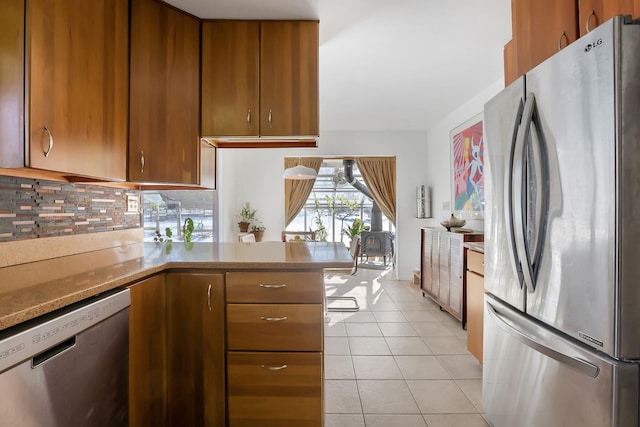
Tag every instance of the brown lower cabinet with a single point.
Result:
(275, 341)
(176, 347)
(195, 343)
(475, 303)
(274, 389)
(272, 324)
(148, 353)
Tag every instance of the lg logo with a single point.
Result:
(594, 45)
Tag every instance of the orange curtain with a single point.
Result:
(296, 191)
(379, 174)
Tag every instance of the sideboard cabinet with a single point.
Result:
(442, 269)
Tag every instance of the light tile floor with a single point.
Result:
(399, 361)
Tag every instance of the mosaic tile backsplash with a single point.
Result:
(33, 208)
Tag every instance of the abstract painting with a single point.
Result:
(467, 144)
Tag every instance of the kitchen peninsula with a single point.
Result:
(234, 328)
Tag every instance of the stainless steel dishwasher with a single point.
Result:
(68, 368)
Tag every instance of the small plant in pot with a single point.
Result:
(355, 229)
(246, 216)
(258, 231)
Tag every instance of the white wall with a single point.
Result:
(255, 176)
(439, 156)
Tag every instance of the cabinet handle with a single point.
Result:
(588, 24)
(209, 297)
(273, 368)
(141, 161)
(269, 119)
(274, 319)
(249, 119)
(46, 153)
(262, 285)
(562, 36)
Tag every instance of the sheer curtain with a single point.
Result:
(379, 174)
(296, 191)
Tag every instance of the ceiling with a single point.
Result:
(390, 64)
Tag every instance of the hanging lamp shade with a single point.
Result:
(300, 172)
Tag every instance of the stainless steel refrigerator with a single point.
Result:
(562, 238)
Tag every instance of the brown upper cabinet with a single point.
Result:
(77, 80)
(541, 28)
(268, 85)
(231, 78)
(11, 83)
(164, 143)
(595, 12)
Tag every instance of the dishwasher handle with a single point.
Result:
(52, 352)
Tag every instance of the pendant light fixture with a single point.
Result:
(300, 172)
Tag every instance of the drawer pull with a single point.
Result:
(482, 264)
(273, 368)
(262, 285)
(274, 319)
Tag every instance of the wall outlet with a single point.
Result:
(133, 203)
(446, 206)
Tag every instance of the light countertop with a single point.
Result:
(32, 289)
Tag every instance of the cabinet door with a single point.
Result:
(444, 268)
(275, 389)
(77, 93)
(231, 78)
(147, 353)
(195, 311)
(275, 287)
(540, 27)
(456, 275)
(510, 63)
(11, 83)
(426, 261)
(289, 327)
(164, 128)
(595, 12)
(289, 78)
(475, 308)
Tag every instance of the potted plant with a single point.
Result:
(246, 216)
(355, 229)
(258, 231)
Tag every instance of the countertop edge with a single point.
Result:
(24, 309)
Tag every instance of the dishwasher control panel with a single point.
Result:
(57, 327)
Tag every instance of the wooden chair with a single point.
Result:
(354, 250)
(298, 236)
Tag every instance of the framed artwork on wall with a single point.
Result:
(467, 154)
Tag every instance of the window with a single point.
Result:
(333, 205)
(164, 209)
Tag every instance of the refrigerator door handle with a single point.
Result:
(508, 194)
(576, 363)
(542, 194)
(518, 189)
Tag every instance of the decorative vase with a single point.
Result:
(453, 222)
(244, 226)
(259, 235)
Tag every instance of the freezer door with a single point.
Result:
(575, 120)
(533, 377)
(502, 116)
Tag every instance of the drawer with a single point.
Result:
(276, 287)
(274, 389)
(475, 262)
(279, 327)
